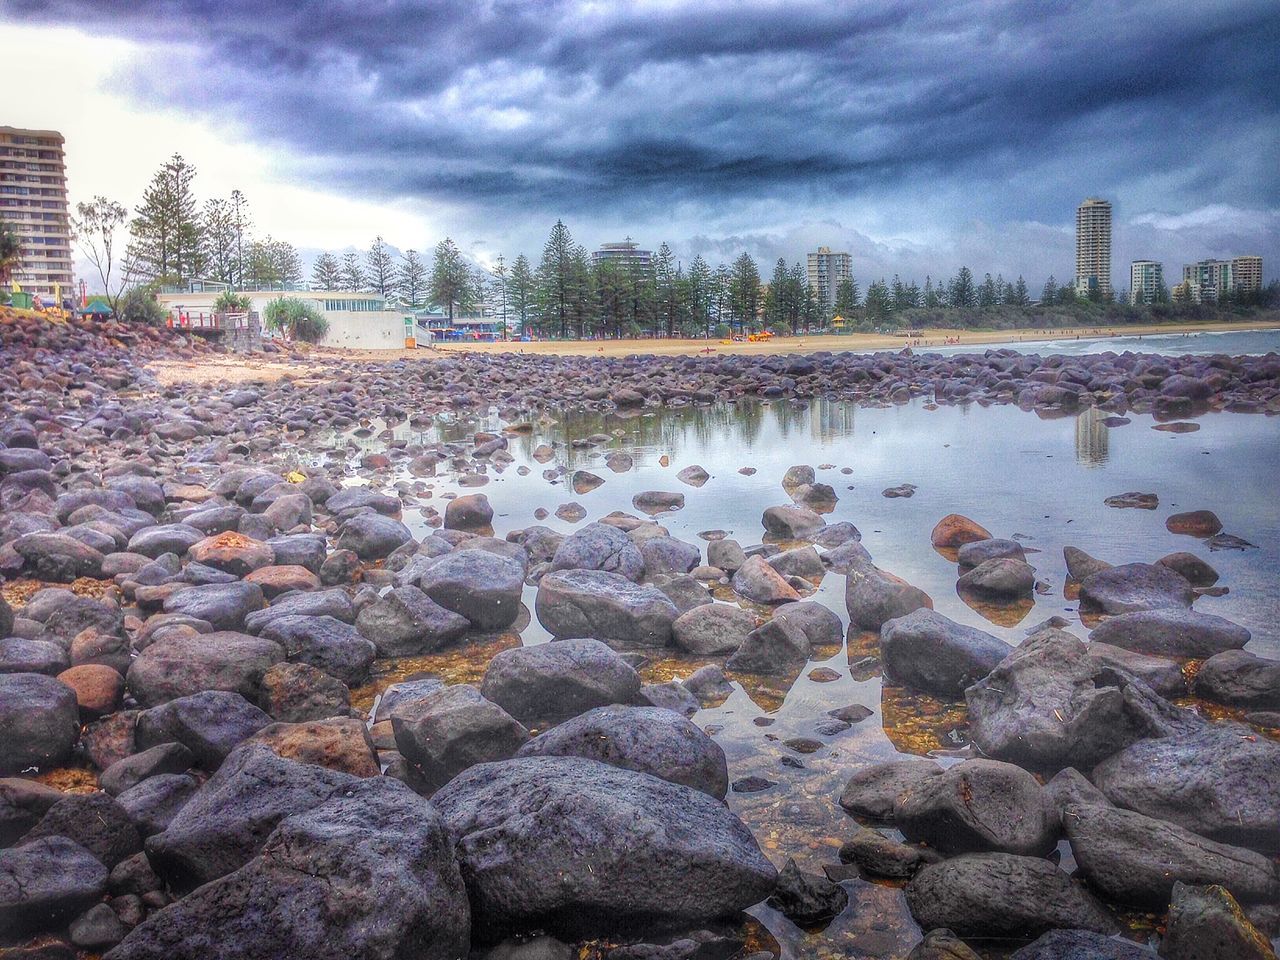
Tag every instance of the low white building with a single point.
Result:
(358, 321)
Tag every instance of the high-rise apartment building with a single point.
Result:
(626, 253)
(33, 202)
(826, 270)
(1208, 279)
(1146, 280)
(1093, 247)
(1246, 274)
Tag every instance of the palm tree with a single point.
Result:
(10, 252)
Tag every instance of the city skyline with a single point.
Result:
(960, 159)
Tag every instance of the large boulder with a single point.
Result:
(758, 582)
(1002, 895)
(792, 522)
(95, 821)
(1136, 860)
(451, 729)
(551, 682)
(873, 597)
(223, 605)
(333, 602)
(367, 875)
(325, 643)
(338, 743)
(955, 530)
(470, 512)
(1049, 704)
(1220, 781)
(225, 825)
(582, 848)
(1239, 679)
(58, 557)
(232, 553)
(479, 585)
(209, 724)
(668, 557)
(1136, 586)
(39, 721)
(927, 651)
(1171, 632)
(650, 740)
(1000, 579)
(874, 790)
(22, 803)
(405, 622)
(224, 660)
(1206, 923)
(979, 805)
(1078, 945)
(607, 606)
(46, 883)
(712, 628)
(372, 536)
(600, 546)
(777, 646)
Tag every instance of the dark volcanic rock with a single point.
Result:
(210, 724)
(1080, 945)
(1206, 923)
(600, 546)
(551, 682)
(927, 651)
(93, 820)
(405, 622)
(1239, 679)
(879, 856)
(1002, 895)
(39, 721)
(646, 739)
(807, 899)
(873, 597)
(371, 536)
(46, 883)
(224, 605)
(481, 586)
(1171, 632)
(1136, 586)
(367, 875)
(184, 666)
(777, 646)
(873, 791)
(607, 606)
(659, 853)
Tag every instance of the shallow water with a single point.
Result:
(1042, 480)
(1234, 343)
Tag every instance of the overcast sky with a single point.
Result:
(917, 136)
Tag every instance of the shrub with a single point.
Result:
(139, 305)
(230, 302)
(296, 318)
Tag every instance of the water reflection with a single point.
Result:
(1092, 438)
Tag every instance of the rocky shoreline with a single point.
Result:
(193, 608)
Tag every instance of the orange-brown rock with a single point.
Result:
(954, 530)
(341, 743)
(233, 552)
(1194, 523)
(276, 580)
(98, 688)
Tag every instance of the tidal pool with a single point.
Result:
(1039, 479)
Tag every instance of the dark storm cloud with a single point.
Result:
(1008, 110)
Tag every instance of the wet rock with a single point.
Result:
(1136, 860)
(1198, 572)
(953, 530)
(1070, 787)
(800, 562)
(1133, 500)
(1239, 679)
(405, 622)
(879, 856)
(1002, 895)
(526, 829)
(792, 522)
(600, 546)
(774, 647)
(873, 597)
(1081, 566)
(1221, 781)
(481, 586)
(1000, 579)
(368, 874)
(807, 899)
(657, 501)
(1163, 676)
(693, 475)
(325, 643)
(210, 724)
(726, 554)
(225, 825)
(646, 739)
(1171, 632)
(232, 553)
(758, 582)
(98, 928)
(712, 629)
(1080, 945)
(223, 660)
(132, 770)
(468, 512)
(46, 883)
(153, 803)
(941, 944)
(1133, 587)
(451, 729)
(19, 655)
(820, 625)
(338, 743)
(1206, 923)
(57, 557)
(873, 791)
(901, 491)
(22, 804)
(685, 592)
(667, 556)
(606, 606)
(708, 683)
(224, 605)
(583, 482)
(371, 536)
(294, 692)
(98, 688)
(927, 651)
(39, 721)
(1048, 704)
(95, 821)
(672, 695)
(976, 552)
(551, 682)
(1194, 523)
(978, 805)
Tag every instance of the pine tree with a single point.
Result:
(500, 295)
(744, 290)
(987, 293)
(326, 273)
(555, 287)
(846, 299)
(411, 280)
(699, 294)
(1018, 293)
(220, 239)
(932, 296)
(166, 236)
(379, 267)
(1050, 292)
(522, 292)
(353, 278)
(897, 294)
(242, 223)
(450, 278)
(879, 302)
(666, 299)
(961, 291)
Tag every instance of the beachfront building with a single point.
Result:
(1093, 248)
(359, 321)
(33, 203)
(1246, 274)
(1146, 281)
(1207, 280)
(825, 270)
(625, 253)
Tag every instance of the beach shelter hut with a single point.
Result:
(97, 307)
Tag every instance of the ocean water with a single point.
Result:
(1234, 343)
(1041, 479)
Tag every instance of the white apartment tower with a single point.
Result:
(1146, 278)
(826, 270)
(1093, 247)
(33, 202)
